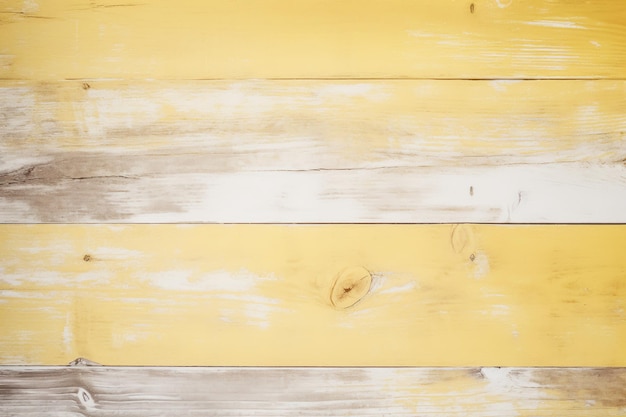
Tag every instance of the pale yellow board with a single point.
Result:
(313, 151)
(59, 39)
(431, 295)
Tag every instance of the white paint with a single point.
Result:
(500, 310)
(561, 24)
(409, 286)
(481, 264)
(238, 282)
(504, 3)
(596, 44)
(420, 34)
(259, 314)
(255, 195)
(229, 101)
(340, 90)
(29, 6)
(501, 86)
(551, 193)
(378, 281)
(17, 122)
(107, 110)
(503, 381)
(68, 334)
(121, 338)
(42, 278)
(11, 206)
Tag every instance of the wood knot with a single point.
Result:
(462, 239)
(86, 399)
(350, 286)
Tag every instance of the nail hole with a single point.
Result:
(86, 86)
(471, 190)
(472, 8)
(87, 258)
(472, 257)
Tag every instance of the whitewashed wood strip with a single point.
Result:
(313, 151)
(224, 392)
(83, 189)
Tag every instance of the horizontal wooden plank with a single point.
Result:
(313, 151)
(57, 39)
(467, 392)
(313, 295)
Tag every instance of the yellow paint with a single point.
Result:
(191, 39)
(260, 295)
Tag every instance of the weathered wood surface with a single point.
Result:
(313, 151)
(466, 392)
(60, 39)
(431, 295)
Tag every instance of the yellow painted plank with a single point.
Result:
(332, 392)
(313, 151)
(433, 295)
(58, 39)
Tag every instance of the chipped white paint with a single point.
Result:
(29, 6)
(481, 264)
(561, 24)
(409, 286)
(504, 3)
(223, 282)
(68, 335)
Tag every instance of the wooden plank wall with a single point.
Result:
(384, 207)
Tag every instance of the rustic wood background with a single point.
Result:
(383, 207)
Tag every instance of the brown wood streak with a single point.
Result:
(107, 391)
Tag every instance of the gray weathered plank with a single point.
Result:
(477, 392)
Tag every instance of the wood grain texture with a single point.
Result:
(439, 295)
(313, 151)
(223, 392)
(60, 39)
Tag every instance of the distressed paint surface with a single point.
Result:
(404, 133)
(313, 151)
(467, 392)
(192, 39)
(269, 295)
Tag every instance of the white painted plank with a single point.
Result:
(314, 151)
